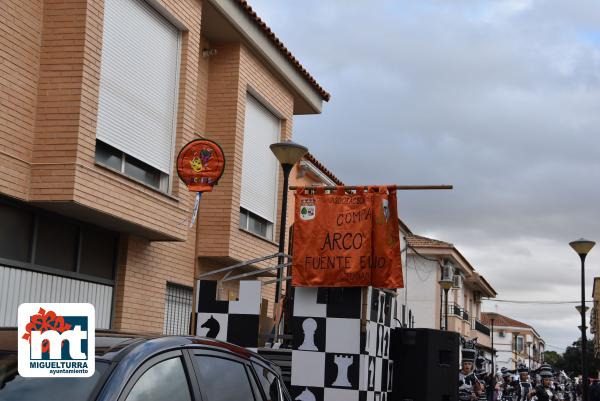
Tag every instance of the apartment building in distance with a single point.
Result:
(96, 99)
(515, 342)
(426, 258)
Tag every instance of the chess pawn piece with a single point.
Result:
(309, 326)
(306, 395)
(343, 362)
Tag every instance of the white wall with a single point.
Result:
(504, 354)
(401, 301)
(504, 347)
(419, 294)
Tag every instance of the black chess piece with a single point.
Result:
(213, 327)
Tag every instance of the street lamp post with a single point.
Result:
(529, 354)
(516, 350)
(583, 247)
(288, 153)
(446, 283)
(493, 350)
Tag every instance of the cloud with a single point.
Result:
(498, 98)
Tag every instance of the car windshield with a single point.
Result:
(16, 388)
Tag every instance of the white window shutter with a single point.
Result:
(259, 166)
(138, 82)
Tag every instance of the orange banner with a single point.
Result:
(346, 240)
(386, 271)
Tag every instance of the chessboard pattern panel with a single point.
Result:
(236, 322)
(331, 358)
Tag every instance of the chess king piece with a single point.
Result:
(343, 362)
(309, 326)
(306, 395)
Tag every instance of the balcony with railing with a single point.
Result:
(482, 328)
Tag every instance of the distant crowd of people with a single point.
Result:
(475, 383)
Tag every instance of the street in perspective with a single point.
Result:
(231, 200)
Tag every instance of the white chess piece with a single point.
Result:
(371, 374)
(343, 362)
(309, 326)
(306, 395)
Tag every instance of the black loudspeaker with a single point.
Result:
(425, 365)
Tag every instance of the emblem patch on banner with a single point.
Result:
(386, 209)
(308, 209)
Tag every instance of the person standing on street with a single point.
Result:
(544, 391)
(468, 385)
(594, 390)
(524, 388)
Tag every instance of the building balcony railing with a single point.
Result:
(482, 328)
(465, 315)
(454, 309)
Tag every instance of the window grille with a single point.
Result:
(178, 309)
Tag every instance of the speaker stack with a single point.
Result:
(425, 365)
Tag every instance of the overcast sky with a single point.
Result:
(499, 98)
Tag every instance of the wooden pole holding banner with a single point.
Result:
(397, 187)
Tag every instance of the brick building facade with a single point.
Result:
(91, 206)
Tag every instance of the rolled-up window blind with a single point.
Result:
(138, 82)
(259, 166)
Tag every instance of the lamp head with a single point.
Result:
(288, 152)
(446, 283)
(582, 246)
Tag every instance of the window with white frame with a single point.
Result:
(137, 101)
(258, 199)
(520, 344)
(255, 224)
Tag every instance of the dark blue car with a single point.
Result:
(146, 368)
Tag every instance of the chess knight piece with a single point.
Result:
(309, 326)
(343, 362)
(213, 327)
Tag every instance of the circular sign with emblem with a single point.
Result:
(200, 164)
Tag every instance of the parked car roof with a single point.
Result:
(114, 345)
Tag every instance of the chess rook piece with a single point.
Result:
(343, 362)
(306, 395)
(309, 326)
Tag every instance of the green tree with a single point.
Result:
(571, 359)
(553, 358)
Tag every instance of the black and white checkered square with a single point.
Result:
(332, 359)
(232, 321)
